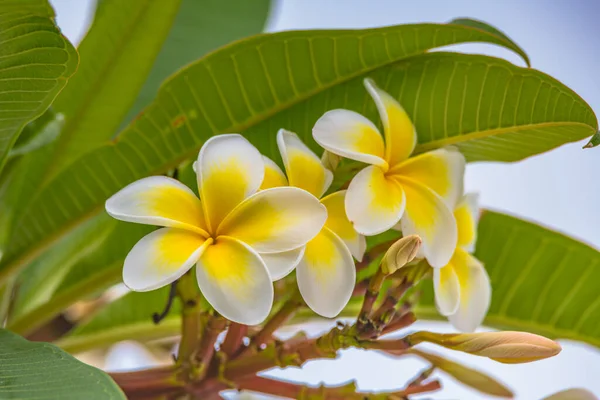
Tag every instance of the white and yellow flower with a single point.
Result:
(326, 273)
(230, 233)
(418, 192)
(462, 287)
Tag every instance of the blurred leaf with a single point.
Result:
(467, 376)
(129, 317)
(572, 394)
(508, 42)
(50, 373)
(489, 108)
(200, 27)
(542, 281)
(45, 135)
(35, 63)
(85, 263)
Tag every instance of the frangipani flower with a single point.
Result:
(419, 191)
(326, 272)
(225, 233)
(462, 287)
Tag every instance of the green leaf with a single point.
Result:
(288, 80)
(594, 141)
(542, 281)
(31, 370)
(45, 135)
(84, 264)
(125, 318)
(117, 55)
(200, 27)
(35, 63)
(508, 42)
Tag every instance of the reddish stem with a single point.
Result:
(233, 341)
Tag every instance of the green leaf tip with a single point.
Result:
(474, 23)
(594, 141)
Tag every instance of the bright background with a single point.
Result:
(558, 188)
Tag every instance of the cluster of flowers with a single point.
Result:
(253, 223)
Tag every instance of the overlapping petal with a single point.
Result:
(234, 280)
(475, 291)
(374, 202)
(326, 274)
(447, 289)
(274, 176)
(158, 200)
(281, 264)
(466, 214)
(338, 222)
(161, 257)
(229, 170)
(400, 134)
(349, 134)
(428, 216)
(276, 220)
(440, 170)
(303, 167)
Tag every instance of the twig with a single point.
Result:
(156, 317)
(233, 341)
(370, 296)
(399, 321)
(343, 392)
(214, 326)
(421, 377)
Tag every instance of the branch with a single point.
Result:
(188, 292)
(234, 339)
(344, 392)
(206, 349)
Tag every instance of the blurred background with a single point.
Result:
(558, 188)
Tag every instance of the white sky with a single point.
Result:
(558, 188)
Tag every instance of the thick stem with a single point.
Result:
(234, 339)
(148, 383)
(206, 350)
(188, 292)
(370, 296)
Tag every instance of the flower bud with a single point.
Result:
(505, 347)
(400, 253)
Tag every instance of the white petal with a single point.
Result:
(281, 264)
(274, 176)
(161, 257)
(447, 290)
(326, 274)
(428, 216)
(475, 292)
(158, 200)
(400, 134)
(338, 222)
(466, 214)
(303, 167)
(374, 203)
(349, 134)
(276, 220)
(230, 169)
(234, 280)
(441, 170)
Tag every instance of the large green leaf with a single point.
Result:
(288, 79)
(200, 27)
(30, 370)
(35, 63)
(83, 264)
(542, 281)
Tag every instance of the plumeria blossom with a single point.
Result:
(418, 192)
(462, 287)
(325, 272)
(230, 233)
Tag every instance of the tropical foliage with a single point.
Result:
(292, 175)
